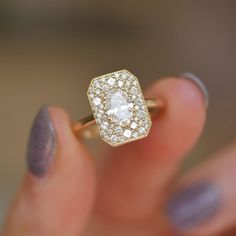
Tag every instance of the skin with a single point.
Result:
(127, 193)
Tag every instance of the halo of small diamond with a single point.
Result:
(116, 131)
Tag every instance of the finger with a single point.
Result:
(134, 175)
(57, 193)
(204, 201)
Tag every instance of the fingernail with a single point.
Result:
(194, 205)
(42, 144)
(199, 83)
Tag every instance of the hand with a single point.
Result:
(133, 191)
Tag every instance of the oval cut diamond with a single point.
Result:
(119, 106)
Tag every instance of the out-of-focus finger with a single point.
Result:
(57, 193)
(135, 175)
(204, 201)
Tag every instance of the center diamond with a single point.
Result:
(119, 106)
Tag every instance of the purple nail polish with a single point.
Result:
(200, 84)
(42, 144)
(194, 205)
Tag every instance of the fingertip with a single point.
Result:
(178, 127)
(61, 122)
(197, 81)
(60, 114)
(58, 191)
(50, 137)
(178, 90)
(202, 202)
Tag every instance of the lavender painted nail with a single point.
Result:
(199, 83)
(194, 205)
(42, 144)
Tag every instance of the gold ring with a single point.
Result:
(120, 112)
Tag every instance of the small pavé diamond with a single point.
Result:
(141, 130)
(118, 129)
(121, 139)
(114, 138)
(111, 81)
(146, 126)
(128, 83)
(106, 87)
(96, 101)
(104, 125)
(133, 90)
(120, 83)
(131, 105)
(117, 75)
(141, 113)
(127, 133)
(135, 134)
(134, 125)
(97, 84)
(91, 95)
(100, 106)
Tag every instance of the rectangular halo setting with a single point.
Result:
(119, 108)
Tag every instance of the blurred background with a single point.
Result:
(50, 50)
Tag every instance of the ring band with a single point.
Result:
(87, 128)
(120, 112)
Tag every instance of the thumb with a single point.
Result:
(57, 193)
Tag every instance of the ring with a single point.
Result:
(120, 112)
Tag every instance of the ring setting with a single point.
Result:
(119, 108)
(120, 112)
